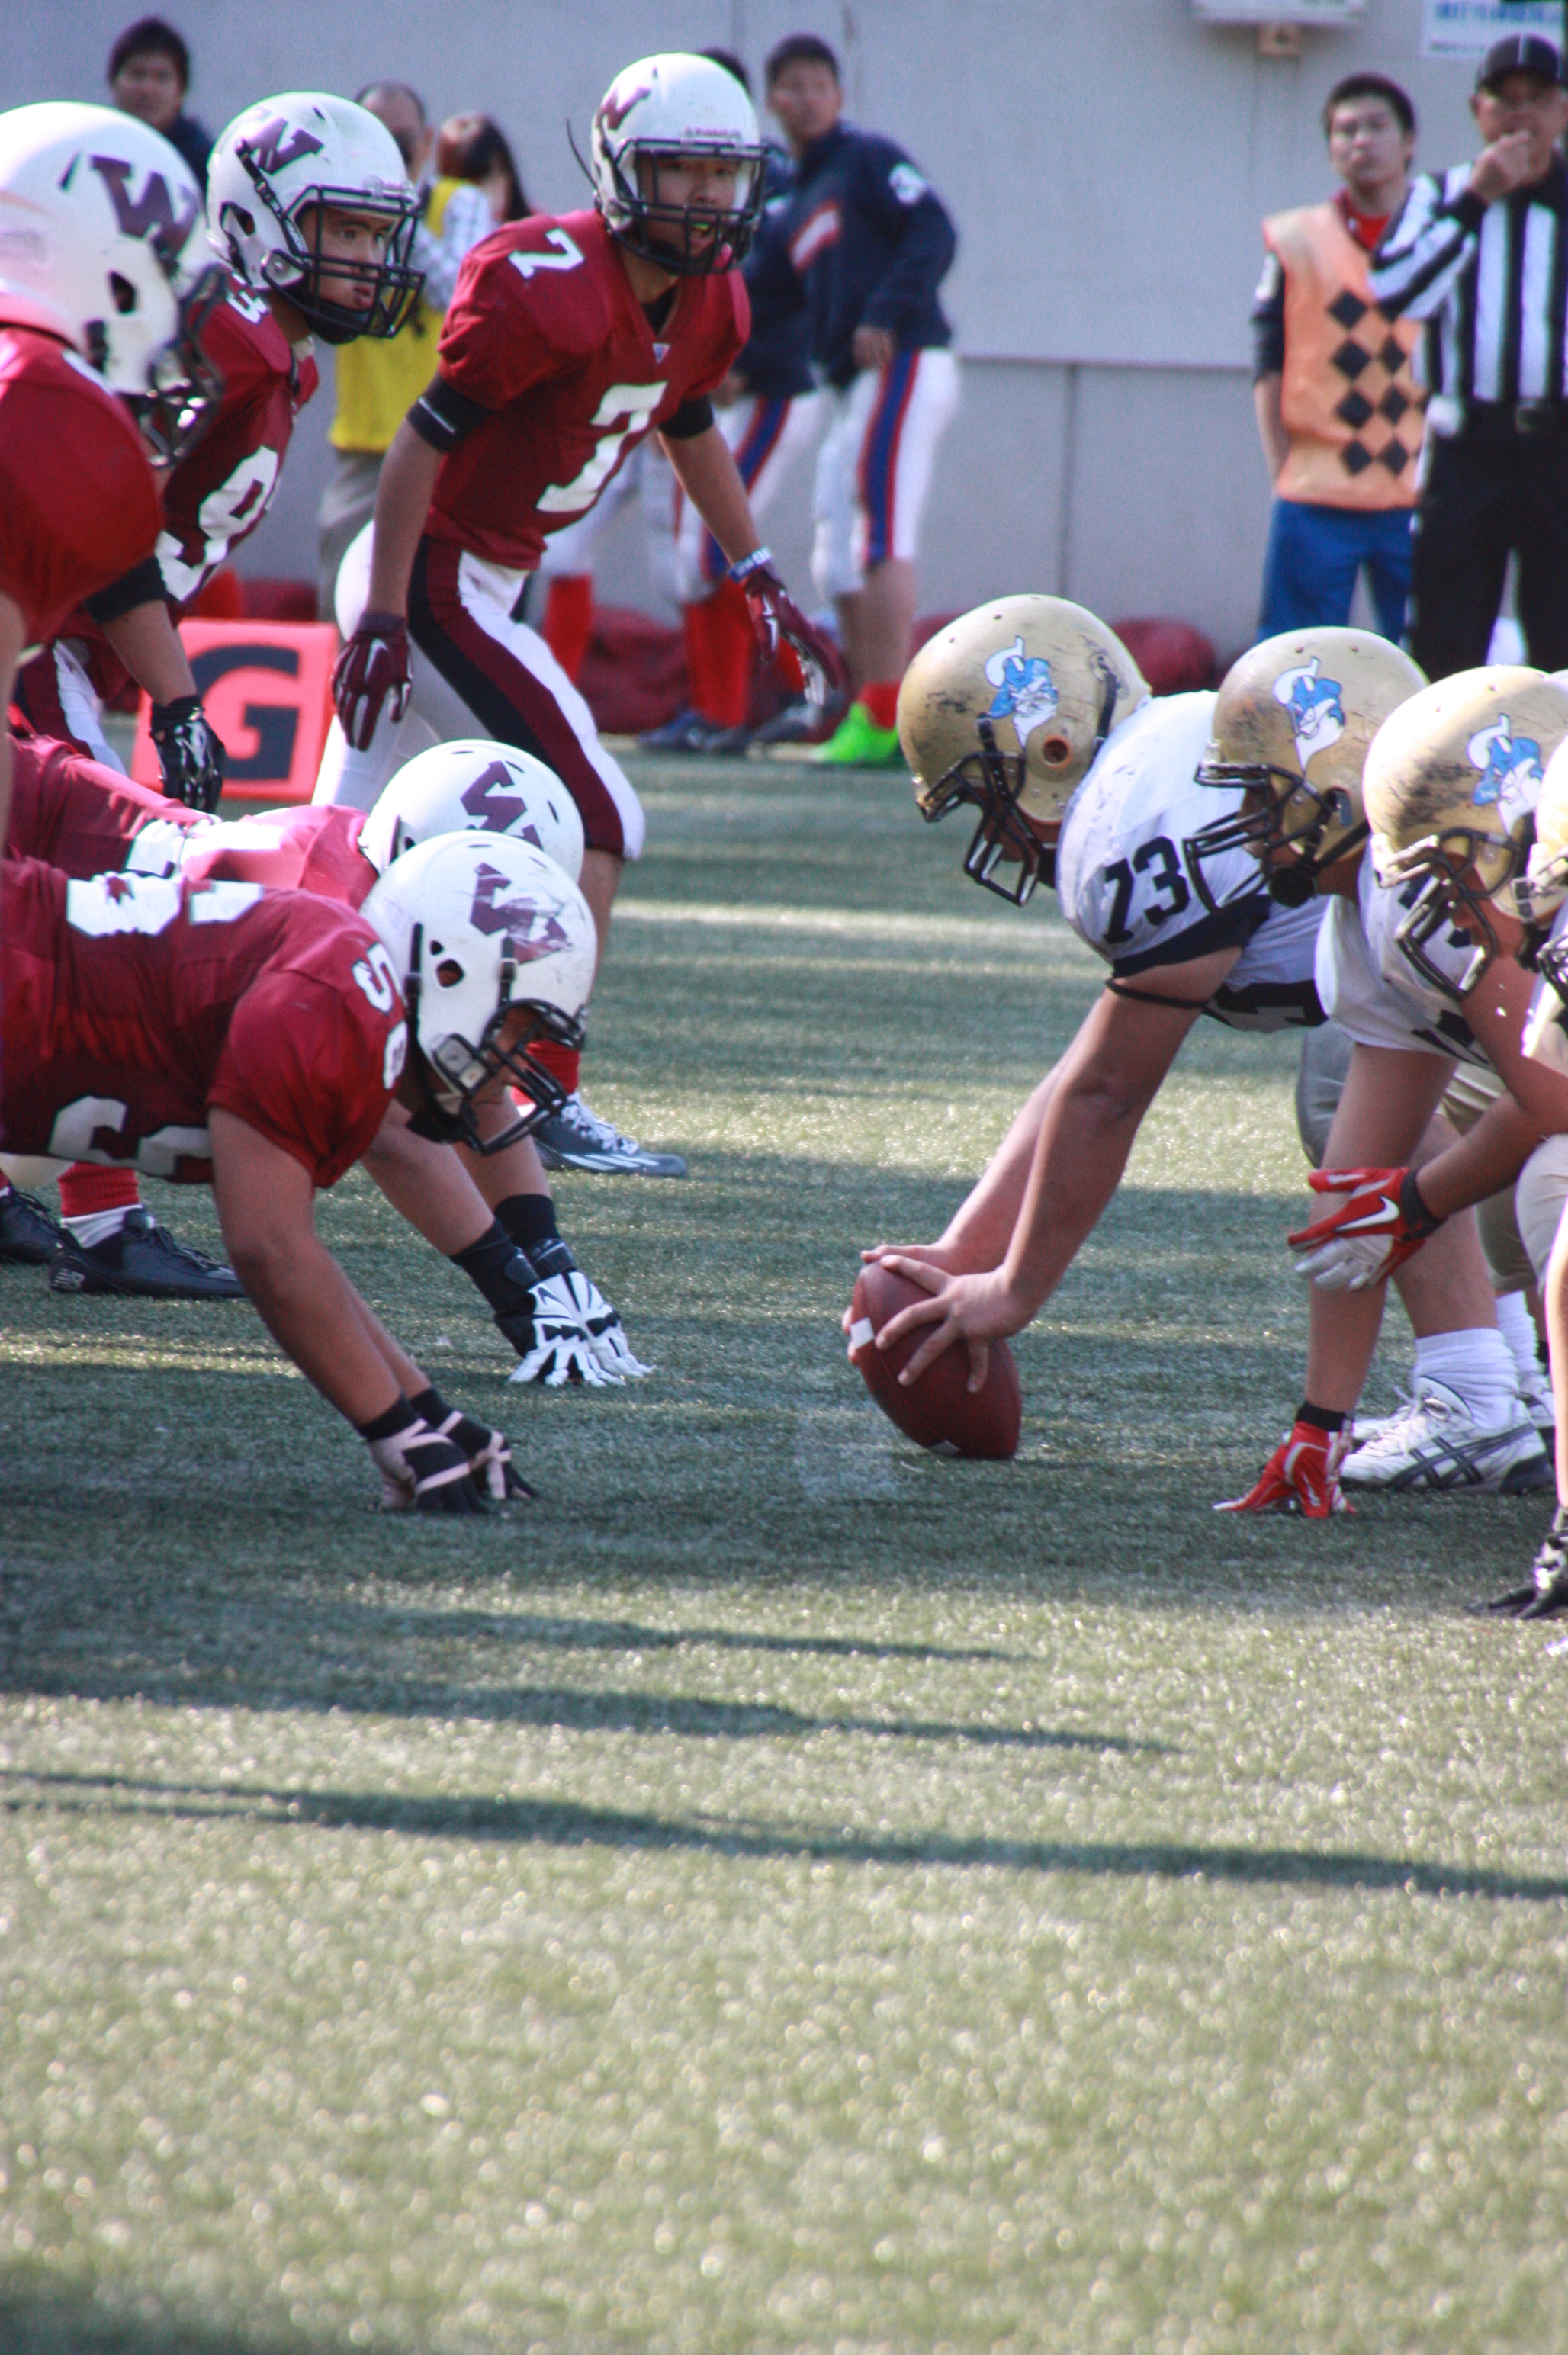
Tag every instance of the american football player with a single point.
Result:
(1451, 786)
(217, 1033)
(313, 215)
(1480, 1401)
(101, 284)
(496, 1219)
(1032, 714)
(567, 342)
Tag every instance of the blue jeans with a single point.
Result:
(1314, 556)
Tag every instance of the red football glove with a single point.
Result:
(1301, 1476)
(1384, 1223)
(372, 667)
(775, 615)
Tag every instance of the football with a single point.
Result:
(938, 1410)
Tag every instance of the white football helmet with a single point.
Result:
(478, 925)
(1006, 710)
(472, 786)
(676, 108)
(275, 172)
(102, 244)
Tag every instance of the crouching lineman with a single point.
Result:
(103, 275)
(566, 344)
(312, 214)
(216, 1033)
(496, 1219)
(1033, 713)
(1480, 1401)
(1453, 801)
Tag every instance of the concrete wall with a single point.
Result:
(1107, 162)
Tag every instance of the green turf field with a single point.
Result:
(780, 1891)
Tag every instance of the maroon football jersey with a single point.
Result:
(85, 819)
(544, 332)
(306, 849)
(79, 502)
(130, 1004)
(217, 497)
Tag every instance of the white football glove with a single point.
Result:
(552, 1341)
(606, 1332)
(1346, 1262)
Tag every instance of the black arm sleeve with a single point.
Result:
(1268, 321)
(143, 585)
(692, 417)
(443, 417)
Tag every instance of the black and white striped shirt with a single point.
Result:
(1490, 281)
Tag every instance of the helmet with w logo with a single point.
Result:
(102, 244)
(278, 173)
(472, 786)
(667, 111)
(484, 929)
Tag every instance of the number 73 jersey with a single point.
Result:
(545, 335)
(1126, 885)
(132, 1004)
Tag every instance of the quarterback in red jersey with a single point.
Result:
(567, 343)
(216, 1033)
(494, 1218)
(312, 214)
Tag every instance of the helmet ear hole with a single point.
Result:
(449, 973)
(123, 292)
(1055, 752)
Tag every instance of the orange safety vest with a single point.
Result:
(1350, 400)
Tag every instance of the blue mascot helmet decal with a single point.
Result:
(1026, 691)
(1509, 766)
(1314, 706)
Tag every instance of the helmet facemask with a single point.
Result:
(1446, 899)
(184, 388)
(664, 234)
(453, 1074)
(991, 782)
(1260, 831)
(298, 271)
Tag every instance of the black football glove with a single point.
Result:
(420, 1470)
(488, 1455)
(190, 755)
(1547, 1591)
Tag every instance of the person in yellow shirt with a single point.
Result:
(1340, 411)
(376, 393)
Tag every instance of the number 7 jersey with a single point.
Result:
(1126, 885)
(545, 334)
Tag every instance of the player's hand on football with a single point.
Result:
(371, 671)
(1382, 1223)
(549, 1329)
(928, 1254)
(190, 753)
(422, 1472)
(1301, 1476)
(775, 615)
(973, 1309)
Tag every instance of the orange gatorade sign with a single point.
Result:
(266, 688)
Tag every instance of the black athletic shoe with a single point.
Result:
(687, 732)
(142, 1258)
(28, 1236)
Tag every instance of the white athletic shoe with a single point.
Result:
(576, 1138)
(1438, 1443)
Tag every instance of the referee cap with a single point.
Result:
(1526, 53)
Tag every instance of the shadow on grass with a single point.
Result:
(39, 2316)
(557, 1823)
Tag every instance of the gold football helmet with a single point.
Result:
(1451, 786)
(1545, 885)
(1293, 719)
(1006, 709)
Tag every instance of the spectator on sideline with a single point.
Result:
(149, 74)
(474, 147)
(1338, 404)
(377, 384)
(1479, 255)
(871, 242)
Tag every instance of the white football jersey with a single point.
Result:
(1125, 883)
(1369, 985)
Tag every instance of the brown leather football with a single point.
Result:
(939, 1410)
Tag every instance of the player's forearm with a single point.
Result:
(979, 1232)
(1271, 428)
(312, 1312)
(1078, 1163)
(428, 1184)
(712, 481)
(1491, 1155)
(148, 643)
(403, 495)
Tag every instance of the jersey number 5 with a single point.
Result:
(625, 406)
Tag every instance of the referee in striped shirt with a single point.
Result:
(1481, 255)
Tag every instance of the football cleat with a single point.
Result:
(1546, 1591)
(859, 743)
(796, 723)
(142, 1258)
(576, 1138)
(1438, 1443)
(28, 1236)
(688, 731)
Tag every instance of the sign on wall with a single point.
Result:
(1467, 28)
